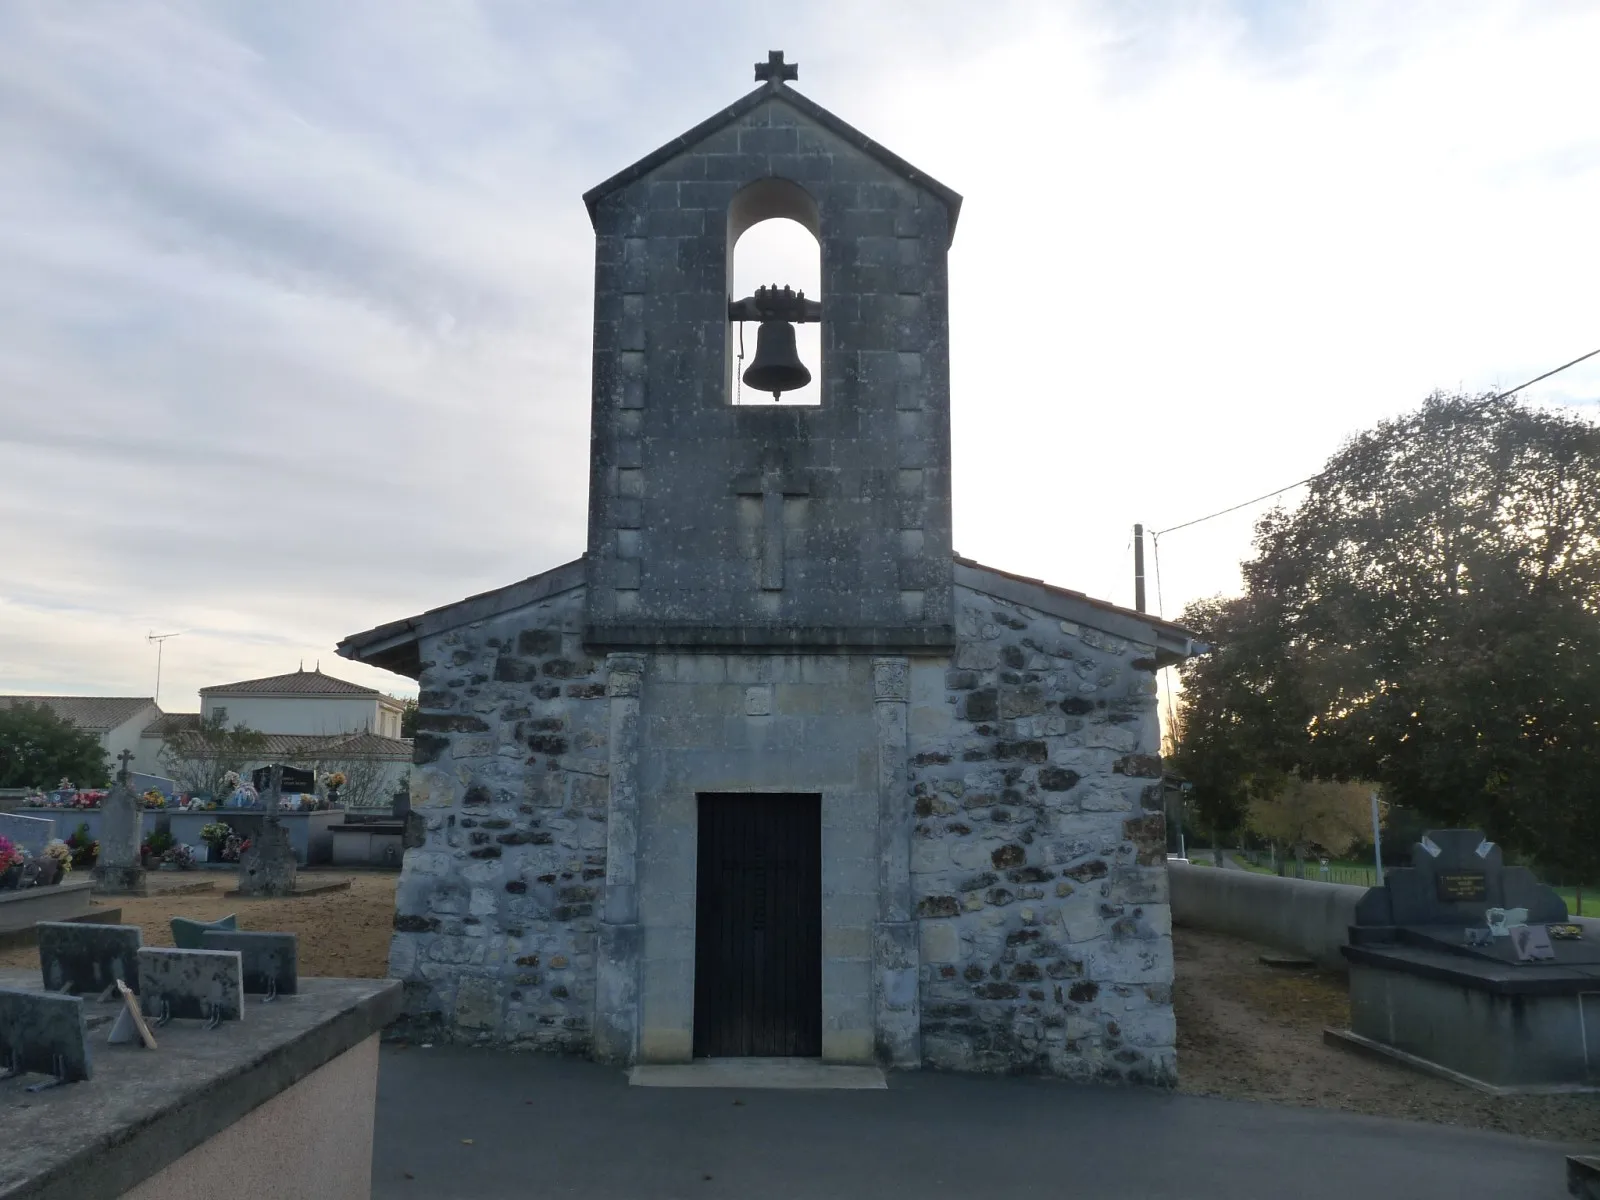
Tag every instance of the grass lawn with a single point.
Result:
(1345, 870)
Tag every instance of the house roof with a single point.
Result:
(169, 725)
(296, 683)
(97, 714)
(290, 746)
(778, 90)
(393, 646)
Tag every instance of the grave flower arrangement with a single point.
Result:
(233, 849)
(85, 850)
(62, 854)
(154, 799)
(215, 833)
(180, 856)
(11, 858)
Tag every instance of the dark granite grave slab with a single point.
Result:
(1455, 877)
(270, 959)
(144, 1110)
(43, 1033)
(196, 984)
(88, 957)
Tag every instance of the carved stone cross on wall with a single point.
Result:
(774, 486)
(124, 758)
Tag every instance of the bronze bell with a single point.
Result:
(776, 367)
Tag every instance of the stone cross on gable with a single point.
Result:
(124, 758)
(774, 485)
(775, 71)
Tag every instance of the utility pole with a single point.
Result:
(1138, 567)
(160, 639)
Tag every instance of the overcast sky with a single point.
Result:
(295, 297)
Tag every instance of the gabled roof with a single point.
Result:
(296, 683)
(97, 714)
(394, 646)
(777, 90)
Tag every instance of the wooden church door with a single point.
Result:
(758, 926)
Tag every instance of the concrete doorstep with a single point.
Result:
(795, 1073)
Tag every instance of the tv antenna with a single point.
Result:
(160, 639)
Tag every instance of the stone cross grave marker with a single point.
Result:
(201, 984)
(43, 1034)
(271, 960)
(31, 833)
(118, 871)
(268, 867)
(85, 958)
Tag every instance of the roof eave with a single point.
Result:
(1172, 643)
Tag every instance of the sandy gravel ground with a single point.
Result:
(1253, 1032)
(341, 933)
(1245, 1031)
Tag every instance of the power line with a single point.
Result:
(1222, 512)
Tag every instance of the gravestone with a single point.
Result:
(268, 867)
(271, 960)
(31, 833)
(1464, 966)
(199, 984)
(87, 958)
(1456, 876)
(119, 871)
(43, 1034)
(187, 932)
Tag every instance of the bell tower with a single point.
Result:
(715, 525)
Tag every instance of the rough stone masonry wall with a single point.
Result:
(496, 911)
(1038, 855)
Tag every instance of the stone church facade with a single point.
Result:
(770, 769)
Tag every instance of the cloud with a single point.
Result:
(298, 295)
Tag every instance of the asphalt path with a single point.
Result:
(489, 1124)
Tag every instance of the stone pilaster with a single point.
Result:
(896, 965)
(619, 940)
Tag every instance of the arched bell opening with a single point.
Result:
(773, 228)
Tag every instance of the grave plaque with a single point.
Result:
(43, 1034)
(270, 959)
(1532, 943)
(200, 984)
(1456, 887)
(79, 957)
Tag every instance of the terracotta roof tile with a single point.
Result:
(296, 683)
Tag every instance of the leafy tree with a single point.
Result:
(197, 759)
(1312, 812)
(37, 748)
(1427, 618)
(408, 719)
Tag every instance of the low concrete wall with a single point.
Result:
(312, 1139)
(1302, 916)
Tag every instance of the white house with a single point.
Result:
(118, 721)
(303, 702)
